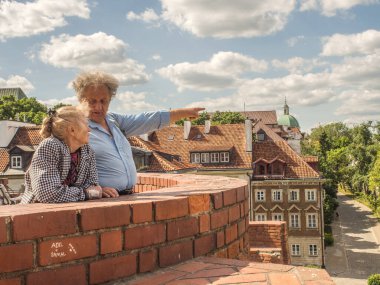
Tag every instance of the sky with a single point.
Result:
(323, 56)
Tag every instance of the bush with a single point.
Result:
(374, 279)
(329, 240)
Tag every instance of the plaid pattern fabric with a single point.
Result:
(44, 180)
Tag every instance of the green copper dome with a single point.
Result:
(288, 120)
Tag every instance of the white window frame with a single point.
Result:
(277, 217)
(310, 195)
(294, 223)
(312, 221)
(16, 161)
(195, 157)
(260, 193)
(296, 249)
(260, 217)
(276, 195)
(313, 250)
(297, 191)
(225, 156)
(214, 157)
(205, 157)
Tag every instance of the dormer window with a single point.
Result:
(261, 137)
(16, 161)
(224, 157)
(205, 157)
(211, 154)
(195, 157)
(214, 157)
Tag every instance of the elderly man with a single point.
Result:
(114, 161)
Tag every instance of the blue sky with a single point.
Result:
(322, 55)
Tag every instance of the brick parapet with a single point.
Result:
(171, 218)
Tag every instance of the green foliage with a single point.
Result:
(374, 176)
(329, 239)
(25, 109)
(219, 118)
(330, 204)
(59, 105)
(374, 279)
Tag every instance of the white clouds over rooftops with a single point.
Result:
(330, 8)
(367, 42)
(96, 51)
(222, 71)
(16, 81)
(135, 102)
(32, 18)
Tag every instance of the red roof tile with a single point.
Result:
(26, 136)
(4, 159)
(267, 117)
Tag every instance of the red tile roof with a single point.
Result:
(267, 117)
(310, 158)
(28, 136)
(4, 159)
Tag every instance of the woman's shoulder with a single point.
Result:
(50, 143)
(87, 150)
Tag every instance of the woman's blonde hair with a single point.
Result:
(57, 122)
(94, 78)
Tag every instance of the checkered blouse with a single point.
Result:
(44, 180)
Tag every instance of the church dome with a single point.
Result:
(288, 120)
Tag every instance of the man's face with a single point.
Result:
(98, 100)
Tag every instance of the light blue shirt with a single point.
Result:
(114, 160)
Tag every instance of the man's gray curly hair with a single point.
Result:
(94, 78)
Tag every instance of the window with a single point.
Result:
(277, 195)
(296, 249)
(205, 157)
(277, 217)
(313, 250)
(195, 157)
(260, 195)
(294, 220)
(312, 221)
(214, 157)
(261, 169)
(311, 195)
(260, 217)
(261, 137)
(294, 195)
(224, 157)
(16, 161)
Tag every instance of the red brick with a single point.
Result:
(242, 210)
(231, 233)
(283, 278)
(220, 239)
(105, 217)
(217, 199)
(204, 223)
(175, 253)
(170, 209)
(246, 207)
(13, 281)
(229, 197)
(67, 249)
(233, 250)
(73, 275)
(240, 194)
(3, 230)
(204, 245)
(143, 236)
(16, 257)
(111, 242)
(112, 268)
(147, 260)
(233, 214)
(30, 226)
(199, 203)
(241, 227)
(219, 219)
(182, 228)
(142, 212)
(221, 253)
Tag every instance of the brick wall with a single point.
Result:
(95, 242)
(268, 242)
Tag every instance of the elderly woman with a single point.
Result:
(114, 161)
(63, 166)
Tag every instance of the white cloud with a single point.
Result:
(156, 57)
(228, 19)
(295, 40)
(330, 8)
(22, 19)
(298, 64)
(16, 81)
(131, 102)
(367, 42)
(148, 16)
(222, 71)
(73, 100)
(96, 51)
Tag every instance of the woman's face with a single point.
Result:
(98, 100)
(82, 132)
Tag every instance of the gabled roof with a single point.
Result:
(27, 136)
(220, 138)
(267, 117)
(275, 147)
(310, 158)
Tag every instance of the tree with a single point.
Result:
(219, 118)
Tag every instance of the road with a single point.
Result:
(356, 251)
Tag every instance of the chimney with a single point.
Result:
(207, 126)
(248, 135)
(186, 129)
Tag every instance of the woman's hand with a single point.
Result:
(109, 192)
(93, 192)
